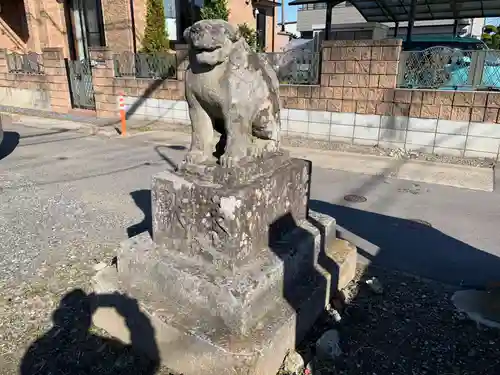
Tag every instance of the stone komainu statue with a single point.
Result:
(230, 90)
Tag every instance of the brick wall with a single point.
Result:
(48, 91)
(118, 24)
(356, 101)
(361, 76)
(142, 95)
(356, 76)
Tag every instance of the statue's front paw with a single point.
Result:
(255, 151)
(194, 157)
(228, 161)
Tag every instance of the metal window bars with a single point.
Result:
(143, 65)
(295, 66)
(25, 63)
(450, 69)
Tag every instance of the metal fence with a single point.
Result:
(296, 66)
(25, 63)
(450, 69)
(144, 65)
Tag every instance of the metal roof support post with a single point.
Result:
(411, 20)
(396, 29)
(328, 22)
(455, 28)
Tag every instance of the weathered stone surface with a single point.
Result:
(231, 90)
(231, 219)
(237, 268)
(214, 298)
(189, 337)
(293, 363)
(327, 346)
(248, 171)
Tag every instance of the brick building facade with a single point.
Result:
(77, 25)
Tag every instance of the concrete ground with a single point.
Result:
(68, 198)
(63, 191)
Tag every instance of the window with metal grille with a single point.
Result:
(261, 28)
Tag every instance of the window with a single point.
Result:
(87, 27)
(261, 27)
(313, 6)
(94, 23)
(170, 11)
(322, 6)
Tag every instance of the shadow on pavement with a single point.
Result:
(142, 199)
(9, 143)
(160, 150)
(70, 347)
(413, 247)
(55, 132)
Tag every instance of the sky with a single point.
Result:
(493, 21)
(290, 11)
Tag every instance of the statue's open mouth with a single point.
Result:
(208, 55)
(206, 49)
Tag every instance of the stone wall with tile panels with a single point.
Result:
(152, 99)
(451, 123)
(356, 101)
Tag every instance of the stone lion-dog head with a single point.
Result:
(211, 41)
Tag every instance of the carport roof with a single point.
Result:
(399, 10)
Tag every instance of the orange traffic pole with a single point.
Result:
(122, 116)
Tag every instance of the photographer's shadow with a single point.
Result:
(70, 346)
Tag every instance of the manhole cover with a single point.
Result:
(423, 222)
(354, 198)
(176, 147)
(62, 158)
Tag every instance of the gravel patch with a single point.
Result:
(408, 327)
(393, 153)
(411, 327)
(52, 240)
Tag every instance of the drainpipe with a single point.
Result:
(455, 28)
(411, 21)
(274, 29)
(132, 21)
(282, 16)
(328, 23)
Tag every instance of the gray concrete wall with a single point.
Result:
(308, 20)
(25, 98)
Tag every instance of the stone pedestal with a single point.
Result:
(237, 270)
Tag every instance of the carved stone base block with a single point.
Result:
(193, 348)
(237, 270)
(228, 216)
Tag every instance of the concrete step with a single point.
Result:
(344, 256)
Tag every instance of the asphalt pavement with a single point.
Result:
(64, 194)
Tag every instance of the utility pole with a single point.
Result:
(283, 15)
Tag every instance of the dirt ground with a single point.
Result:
(410, 329)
